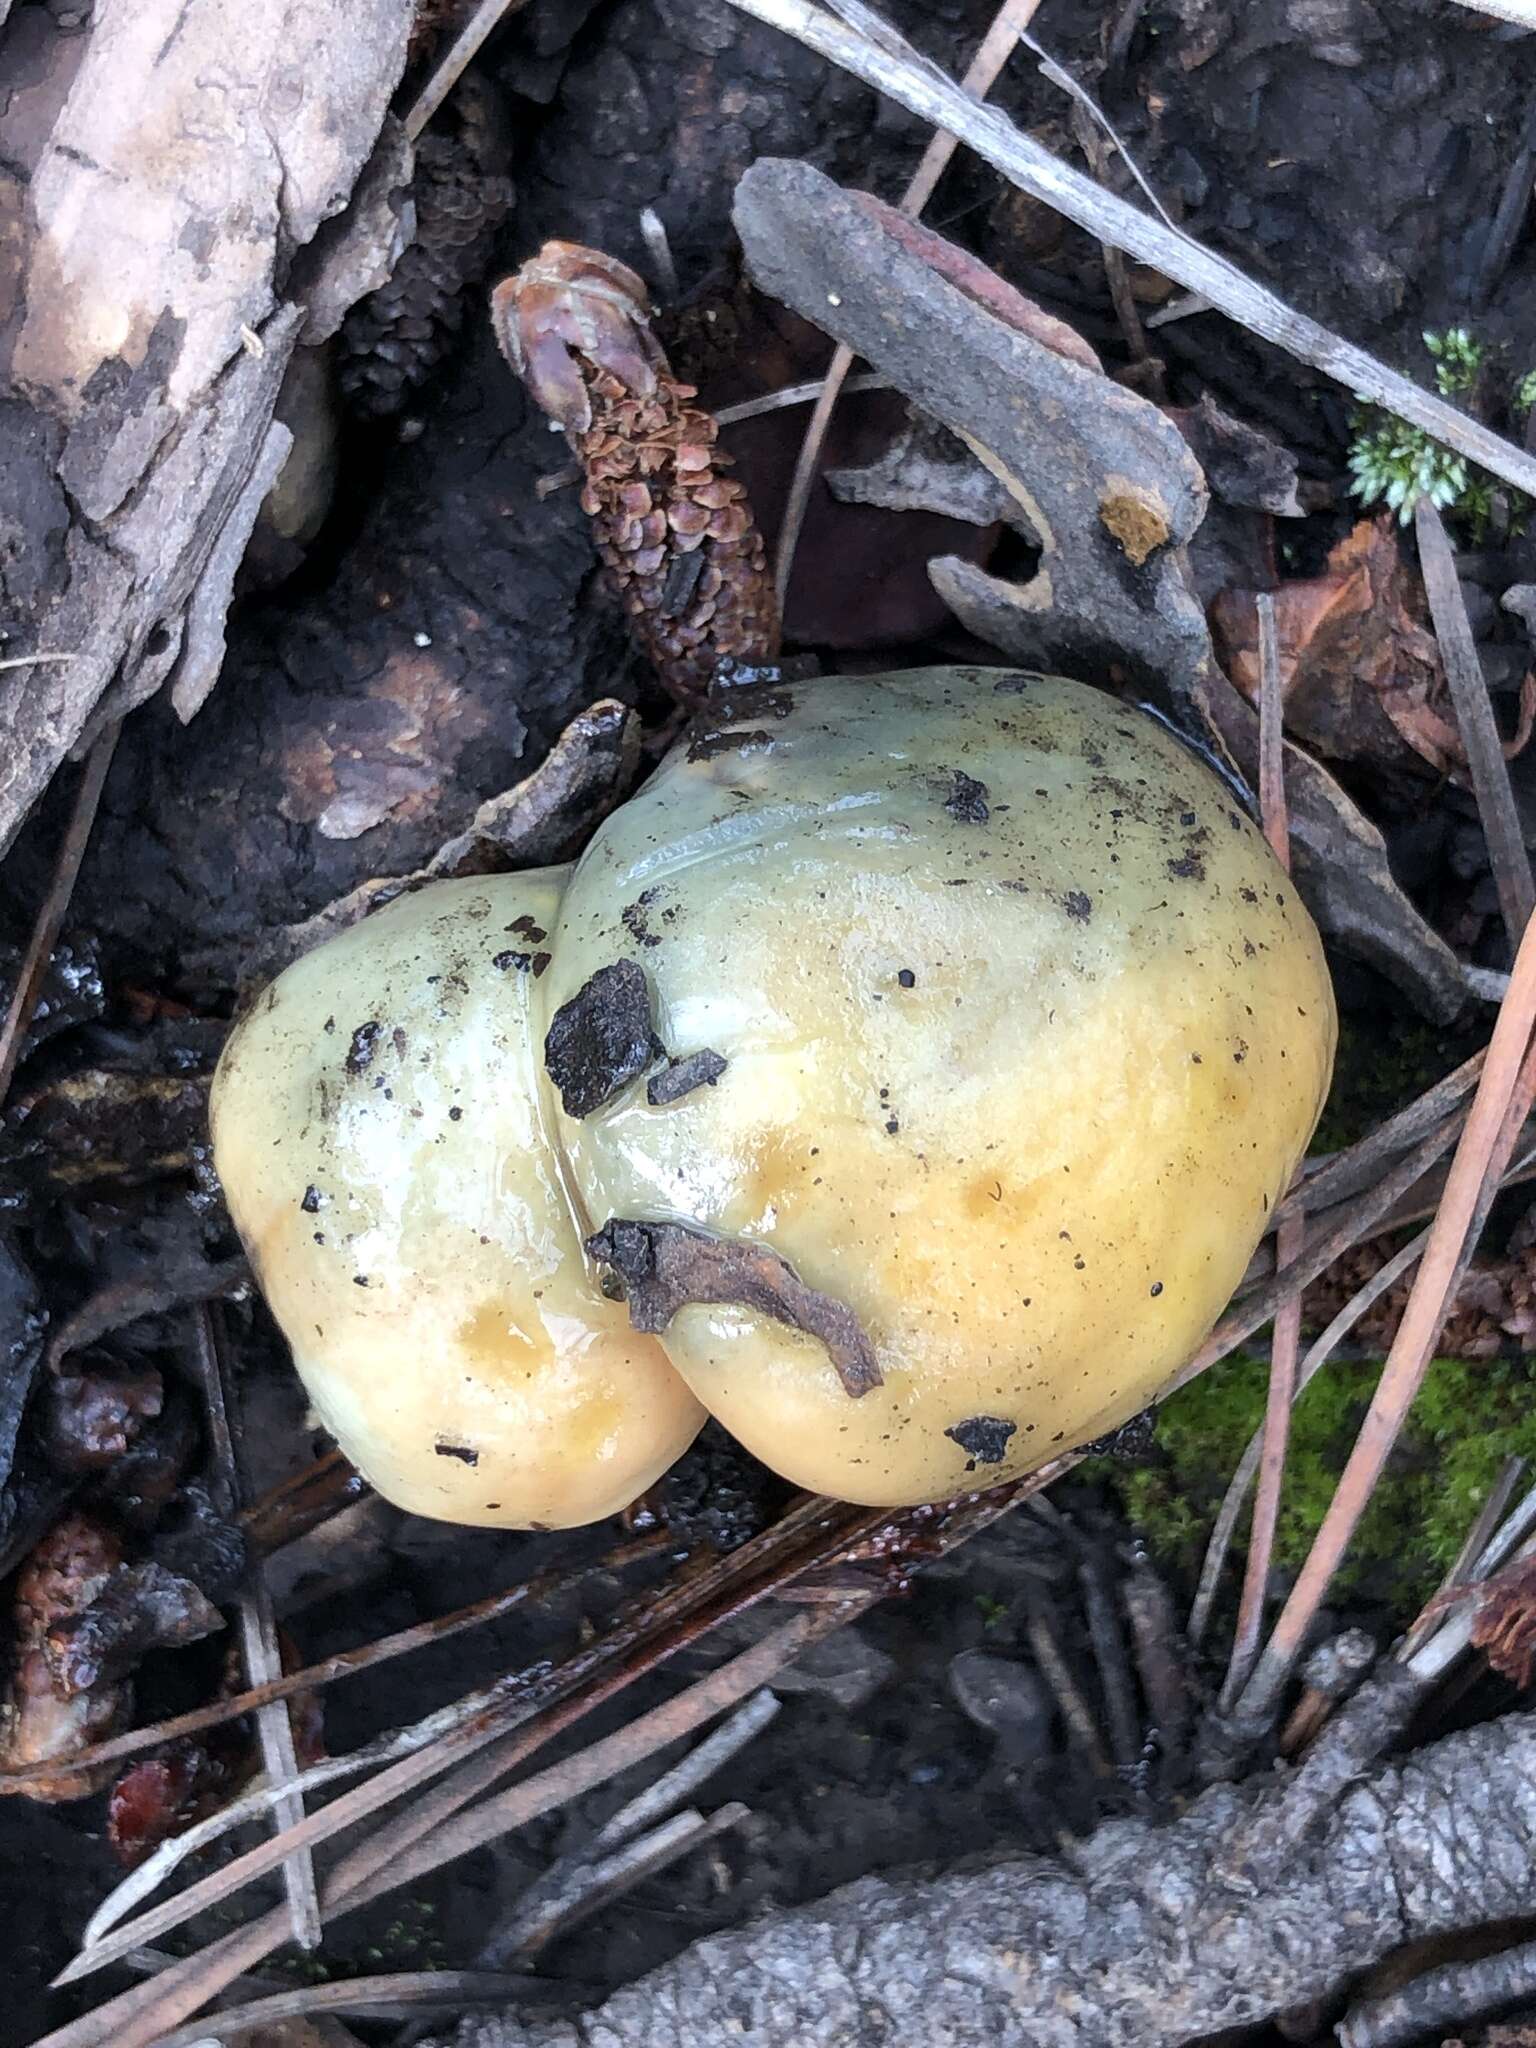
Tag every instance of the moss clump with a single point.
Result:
(1468, 1418)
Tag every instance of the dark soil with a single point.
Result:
(1350, 153)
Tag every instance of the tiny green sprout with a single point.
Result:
(1395, 464)
(1525, 394)
(993, 1612)
(1458, 360)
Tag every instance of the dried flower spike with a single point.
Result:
(674, 530)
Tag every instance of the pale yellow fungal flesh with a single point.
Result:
(1026, 1034)
(407, 1219)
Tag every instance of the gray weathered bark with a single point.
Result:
(164, 178)
(1147, 1938)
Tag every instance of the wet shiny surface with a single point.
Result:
(1024, 1033)
(406, 1216)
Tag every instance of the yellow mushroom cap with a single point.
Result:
(378, 1123)
(1025, 1034)
(1007, 1034)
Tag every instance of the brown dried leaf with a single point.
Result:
(665, 1266)
(1360, 671)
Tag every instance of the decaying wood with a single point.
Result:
(1143, 1938)
(167, 177)
(1106, 485)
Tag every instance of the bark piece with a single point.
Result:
(150, 324)
(140, 1607)
(602, 1039)
(1242, 464)
(1133, 1942)
(926, 469)
(1112, 494)
(682, 1076)
(1111, 481)
(549, 814)
(667, 1266)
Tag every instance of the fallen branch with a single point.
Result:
(1136, 1941)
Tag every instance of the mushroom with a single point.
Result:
(380, 1125)
(921, 1054)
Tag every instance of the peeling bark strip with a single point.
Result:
(1136, 1943)
(602, 1039)
(665, 1266)
(162, 270)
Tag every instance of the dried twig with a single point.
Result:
(1117, 274)
(1114, 1666)
(1349, 1224)
(1085, 103)
(1012, 17)
(1474, 719)
(1502, 1103)
(258, 1638)
(731, 415)
(543, 1907)
(1465, 1565)
(346, 1663)
(50, 917)
(456, 60)
(598, 1883)
(1455, 1995)
(413, 1756)
(302, 1502)
(1161, 1660)
(1286, 1341)
(1346, 1173)
(892, 67)
(1225, 1525)
(1272, 804)
(1082, 1729)
(814, 1532)
(398, 1993)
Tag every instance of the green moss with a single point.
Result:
(1468, 1418)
